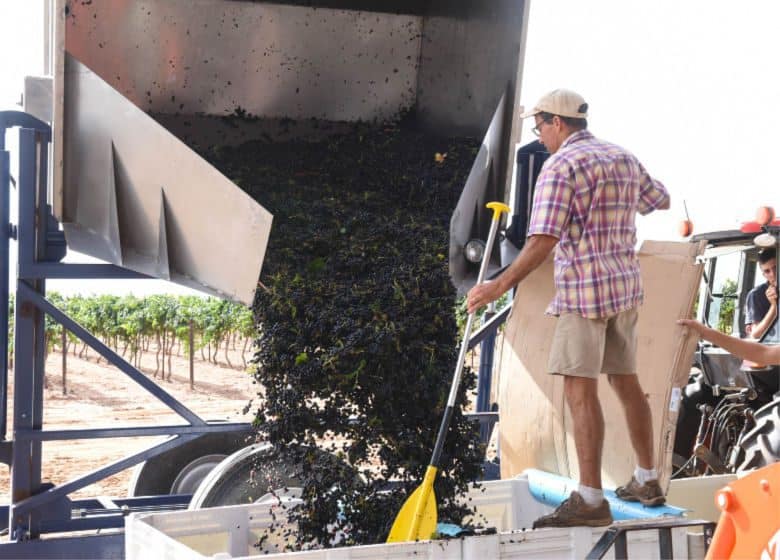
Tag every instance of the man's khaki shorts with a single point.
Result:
(586, 347)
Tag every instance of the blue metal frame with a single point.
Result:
(486, 338)
(485, 414)
(484, 378)
(490, 326)
(37, 507)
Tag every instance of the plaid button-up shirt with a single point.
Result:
(587, 195)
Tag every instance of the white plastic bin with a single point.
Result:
(233, 531)
(697, 494)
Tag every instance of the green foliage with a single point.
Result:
(462, 314)
(728, 302)
(128, 320)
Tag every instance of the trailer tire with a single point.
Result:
(186, 465)
(247, 476)
(250, 475)
(761, 445)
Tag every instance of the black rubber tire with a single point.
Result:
(155, 476)
(761, 445)
(252, 473)
(245, 477)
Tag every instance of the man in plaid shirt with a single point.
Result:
(585, 204)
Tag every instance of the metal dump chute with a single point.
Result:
(136, 196)
(130, 194)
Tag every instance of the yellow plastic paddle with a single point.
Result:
(418, 516)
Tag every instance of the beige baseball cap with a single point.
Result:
(561, 102)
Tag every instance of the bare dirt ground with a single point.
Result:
(99, 395)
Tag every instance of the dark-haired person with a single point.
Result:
(745, 349)
(586, 200)
(761, 302)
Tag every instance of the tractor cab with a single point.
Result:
(729, 403)
(731, 272)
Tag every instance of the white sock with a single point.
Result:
(643, 475)
(592, 496)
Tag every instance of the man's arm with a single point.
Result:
(747, 350)
(550, 217)
(652, 193)
(535, 250)
(757, 330)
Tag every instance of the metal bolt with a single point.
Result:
(726, 500)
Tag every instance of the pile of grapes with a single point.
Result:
(356, 313)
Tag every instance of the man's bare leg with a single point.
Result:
(583, 400)
(638, 416)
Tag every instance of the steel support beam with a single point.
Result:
(23, 507)
(104, 546)
(112, 357)
(37, 507)
(139, 431)
(59, 271)
(5, 234)
(28, 351)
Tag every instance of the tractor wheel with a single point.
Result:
(181, 470)
(761, 445)
(247, 476)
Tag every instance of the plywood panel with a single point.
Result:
(535, 428)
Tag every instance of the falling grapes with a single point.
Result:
(358, 338)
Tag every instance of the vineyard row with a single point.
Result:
(130, 325)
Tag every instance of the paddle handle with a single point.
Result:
(498, 209)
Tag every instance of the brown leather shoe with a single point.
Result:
(574, 512)
(649, 493)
